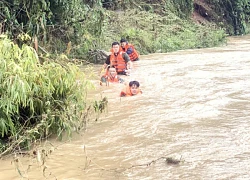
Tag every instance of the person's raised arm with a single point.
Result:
(127, 60)
(104, 66)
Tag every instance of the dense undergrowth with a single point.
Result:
(152, 32)
(233, 15)
(76, 27)
(38, 99)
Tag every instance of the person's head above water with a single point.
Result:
(131, 89)
(112, 71)
(134, 87)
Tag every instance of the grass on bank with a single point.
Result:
(151, 32)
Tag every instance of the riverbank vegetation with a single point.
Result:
(38, 99)
(43, 91)
(233, 15)
(78, 27)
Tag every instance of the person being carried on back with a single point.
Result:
(131, 89)
(119, 60)
(130, 50)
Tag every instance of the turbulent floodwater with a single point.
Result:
(195, 107)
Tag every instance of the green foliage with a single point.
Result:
(25, 16)
(55, 23)
(183, 8)
(37, 100)
(235, 12)
(76, 27)
(151, 33)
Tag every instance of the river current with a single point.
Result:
(195, 108)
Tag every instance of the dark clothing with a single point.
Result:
(129, 50)
(137, 59)
(124, 55)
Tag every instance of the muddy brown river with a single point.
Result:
(195, 108)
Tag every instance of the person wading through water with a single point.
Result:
(130, 50)
(119, 60)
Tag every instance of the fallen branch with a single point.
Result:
(168, 160)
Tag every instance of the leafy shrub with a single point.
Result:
(150, 32)
(36, 99)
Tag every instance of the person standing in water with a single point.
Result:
(119, 60)
(130, 50)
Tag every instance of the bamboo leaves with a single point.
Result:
(35, 95)
(3, 127)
